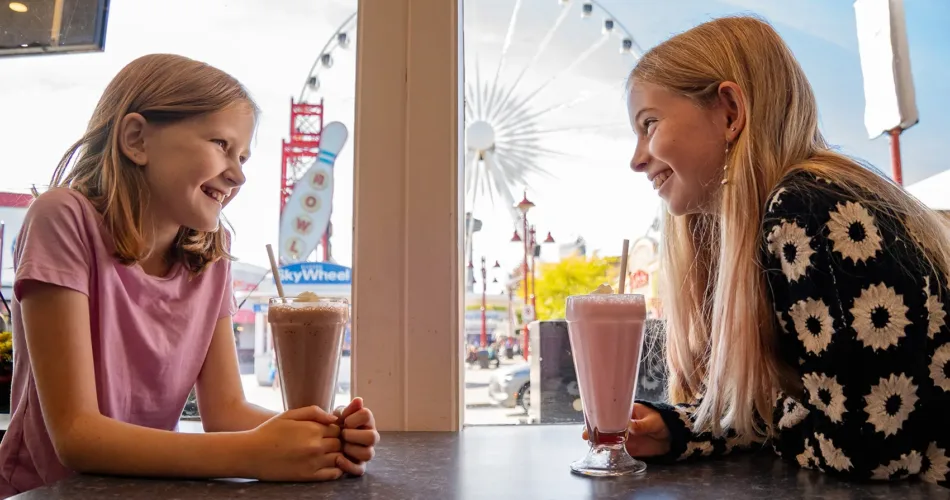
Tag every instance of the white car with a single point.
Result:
(510, 386)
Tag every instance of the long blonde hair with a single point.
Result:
(163, 88)
(721, 339)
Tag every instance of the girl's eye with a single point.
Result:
(649, 122)
(221, 142)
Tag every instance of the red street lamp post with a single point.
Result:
(527, 266)
(483, 340)
(534, 278)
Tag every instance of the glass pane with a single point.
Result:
(546, 122)
(298, 62)
(547, 144)
(32, 26)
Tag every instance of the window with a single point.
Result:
(37, 27)
(547, 141)
(412, 301)
(299, 63)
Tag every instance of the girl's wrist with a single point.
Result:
(242, 453)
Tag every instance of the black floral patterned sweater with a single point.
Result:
(867, 329)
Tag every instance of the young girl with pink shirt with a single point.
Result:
(123, 302)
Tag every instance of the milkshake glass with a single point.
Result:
(308, 338)
(606, 333)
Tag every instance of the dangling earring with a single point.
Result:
(725, 168)
(725, 165)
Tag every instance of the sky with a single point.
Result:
(45, 101)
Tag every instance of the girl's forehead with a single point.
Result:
(234, 114)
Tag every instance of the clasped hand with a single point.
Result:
(358, 435)
(308, 444)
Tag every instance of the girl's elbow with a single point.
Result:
(72, 445)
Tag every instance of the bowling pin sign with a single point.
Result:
(307, 213)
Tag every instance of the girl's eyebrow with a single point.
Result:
(636, 117)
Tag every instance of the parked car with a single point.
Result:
(510, 386)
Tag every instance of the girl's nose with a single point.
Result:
(235, 177)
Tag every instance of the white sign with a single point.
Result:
(307, 213)
(527, 314)
(885, 64)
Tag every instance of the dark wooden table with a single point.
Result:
(526, 462)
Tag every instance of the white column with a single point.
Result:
(407, 224)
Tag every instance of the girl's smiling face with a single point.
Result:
(681, 146)
(193, 167)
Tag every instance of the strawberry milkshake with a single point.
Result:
(606, 332)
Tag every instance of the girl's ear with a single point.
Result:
(732, 102)
(132, 138)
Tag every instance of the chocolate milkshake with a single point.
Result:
(308, 337)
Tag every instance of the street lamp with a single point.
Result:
(534, 254)
(484, 332)
(527, 267)
(523, 206)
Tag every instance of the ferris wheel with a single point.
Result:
(521, 112)
(538, 73)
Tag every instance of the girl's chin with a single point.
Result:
(675, 206)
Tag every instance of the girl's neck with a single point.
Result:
(161, 239)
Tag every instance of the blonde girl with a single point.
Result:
(805, 294)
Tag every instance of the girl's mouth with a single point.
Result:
(217, 196)
(660, 179)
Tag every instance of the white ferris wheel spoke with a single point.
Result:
(535, 134)
(584, 97)
(478, 90)
(578, 60)
(537, 54)
(501, 183)
(512, 23)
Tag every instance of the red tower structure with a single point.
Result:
(297, 154)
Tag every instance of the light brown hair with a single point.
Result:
(164, 89)
(721, 340)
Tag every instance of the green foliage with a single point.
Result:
(570, 276)
(478, 307)
(6, 347)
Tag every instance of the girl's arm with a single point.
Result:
(221, 400)
(298, 445)
(56, 323)
(866, 321)
(54, 259)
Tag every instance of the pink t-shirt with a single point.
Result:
(149, 336)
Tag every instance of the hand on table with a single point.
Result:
(648, 435)
(298, 445)
(359, 437)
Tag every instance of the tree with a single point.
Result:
(571, 276)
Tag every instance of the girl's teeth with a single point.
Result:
(660, 179)
(214, 194)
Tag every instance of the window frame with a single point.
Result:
(407, 234)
